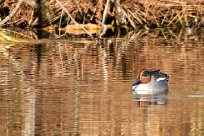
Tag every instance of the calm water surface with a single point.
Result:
(83, 88)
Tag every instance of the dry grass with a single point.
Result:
(166, 13)
(148, 14)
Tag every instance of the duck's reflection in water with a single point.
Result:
(144, 100)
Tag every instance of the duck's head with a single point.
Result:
(144, 76)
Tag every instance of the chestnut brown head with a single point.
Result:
(144, 76)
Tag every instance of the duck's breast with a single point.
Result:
(142, 89)
(157, 87)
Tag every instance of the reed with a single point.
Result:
(135, 14)
(166, 13)
(148, 14)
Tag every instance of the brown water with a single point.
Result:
(83, 88)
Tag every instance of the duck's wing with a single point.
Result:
(160, 75)
(155, 72)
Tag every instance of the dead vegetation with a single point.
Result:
(184, 13)
(133, 14)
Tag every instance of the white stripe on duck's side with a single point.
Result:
(150, 82)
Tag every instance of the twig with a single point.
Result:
(12, 13)
(105, 11)
(130, 20)
(104, 18)
(60, 22)
(104, 30)
(175, 17)
(136, 17)
(78, 6)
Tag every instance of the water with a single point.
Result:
(83, 88)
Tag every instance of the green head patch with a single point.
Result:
(146, 74)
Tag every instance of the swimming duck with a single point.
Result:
(150, 82)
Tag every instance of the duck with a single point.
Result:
(150, 82)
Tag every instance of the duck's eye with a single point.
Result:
(146, 74)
